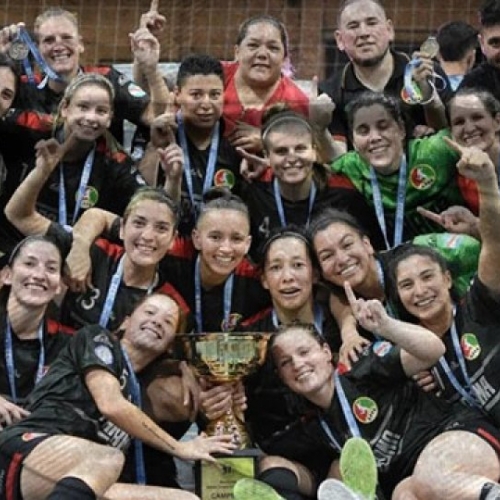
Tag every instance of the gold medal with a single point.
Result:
(430, 47)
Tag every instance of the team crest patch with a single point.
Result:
(135, 91)
(104, 353)
(365, 410)
(382, 347)
(230, 324)
(102, 338)
(29, 436)
(422, 177)
(90, 197)
(224, 178)
(470, 346)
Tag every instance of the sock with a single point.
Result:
(284, 481)
(490, 491)
(72, 488)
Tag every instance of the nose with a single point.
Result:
(225, 245)
(287, 273)
(418, 288)
(374, 135)
(147, 233)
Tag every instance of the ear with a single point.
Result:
(175, 234)
(263, 281)
(328, 352)
(64, 109)
(124, 324)
(338, 39)
(122, 225)
(368, 245)
(248, 242)
(390, 29)
(236, 52)
(496, 120)
(448, 279)
(195, 236)
(81, 46)
(7, 275)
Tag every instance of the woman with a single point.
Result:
(257, 79)
(211, 271)
(409, 431)
(277, 418)
(31, 342)
(295, 187)
(421, 284)
(396, 177)
(84, 413)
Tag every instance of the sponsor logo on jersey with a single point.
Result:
(470, 346)
(365, 409)
(104, 353)
(224, 178)
(90, 197)
(230, 324)
(29, 436)
(422, 177)
(135, 91)
(381, 348)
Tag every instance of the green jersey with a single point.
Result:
(431, 182)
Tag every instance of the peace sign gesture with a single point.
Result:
(473, 163)
(370, 314)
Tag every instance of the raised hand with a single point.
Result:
(321, 107)
(252, 166)
(172, 160)
(145, 48)
(247, 137)
(473, 163)
(370, 314)
(455, 219)
(152, 20)
(162, 129)
(49, 153)
(7, 35)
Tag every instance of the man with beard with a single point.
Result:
(365, 33)
(487, 75)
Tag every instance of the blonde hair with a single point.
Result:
(55, 12)
(148, 193)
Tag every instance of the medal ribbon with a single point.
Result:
(318, 319)
(10, 363)
(280, 207)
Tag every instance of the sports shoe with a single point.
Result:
(358, 468)
(333, 489)
(252, 489)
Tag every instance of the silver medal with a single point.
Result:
(430, 47)
(18, 50)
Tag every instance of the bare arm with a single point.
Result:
(105, 390)
(420, 348)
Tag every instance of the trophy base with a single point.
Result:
(216, 481)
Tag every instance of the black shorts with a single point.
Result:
(466, 419)
(12, 454)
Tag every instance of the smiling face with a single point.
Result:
(60, 45)
(303, 364)
(200, 99)
(489, 40)
(153, 324)
(7, 89)
(288, 274)
(378, 138)
(424, 289)
(88, 113)
(344, 255)
(472, 124)
(35, 274)
(222, 238)
(148, 232)
(261, 54)
(291, 153)
(364, 33)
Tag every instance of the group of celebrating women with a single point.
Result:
(376, 270)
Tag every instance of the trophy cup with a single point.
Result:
(225, 357)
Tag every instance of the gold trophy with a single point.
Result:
(221, 358)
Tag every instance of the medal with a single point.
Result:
(430, 47)
(18, 50)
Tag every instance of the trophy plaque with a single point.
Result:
(221, 358)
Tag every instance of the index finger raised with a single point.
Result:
(349, 294)
(154, 6)
(430, 215)
(454, 145)
(313, 90)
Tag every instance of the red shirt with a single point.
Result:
(287, 91)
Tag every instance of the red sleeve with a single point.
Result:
(468, 188)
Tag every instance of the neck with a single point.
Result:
(303, 314)
(139, 359)
(23, 320)
(200, 137)
(79, 150)
(209, 278)
(137, 276)
(252, 94)
(323, 397)
(296, 192)
(454, 68)
(494, 154)
(376, 77)
(371, 288)
(442, 322)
